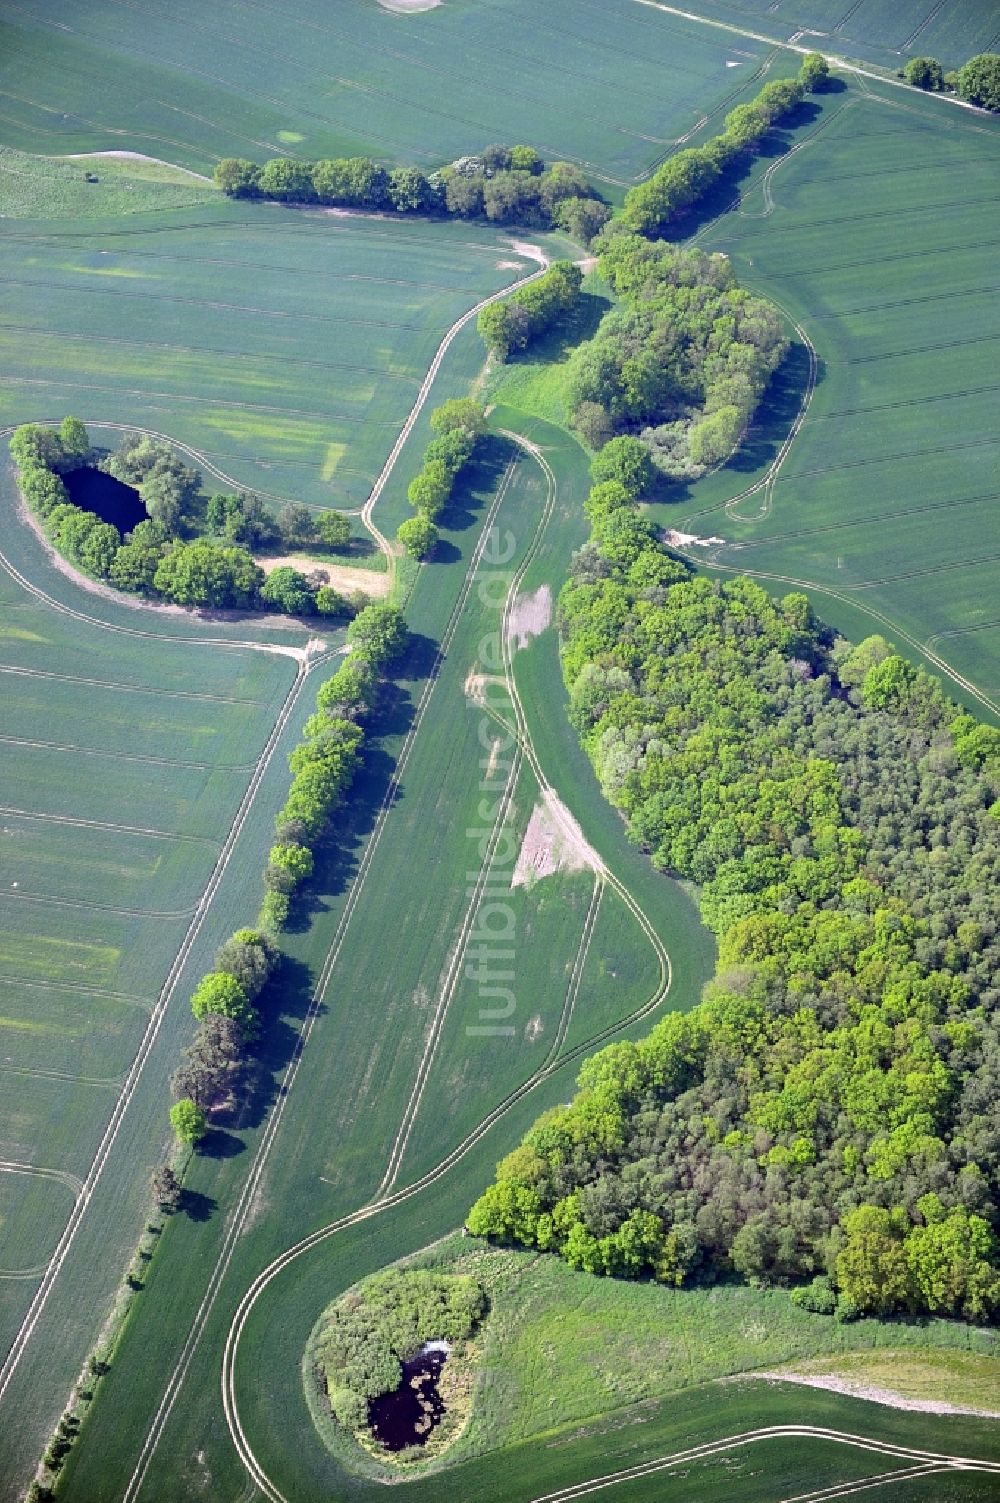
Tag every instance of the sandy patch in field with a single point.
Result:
(341, 576)
(533, 252)
(553, 842)
(674, 539)
(404, 7)
(529, 616)
(856, 1389)
(131, 156)
(507, 265)
(475, 685)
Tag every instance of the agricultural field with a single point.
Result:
(875, 234)
(284, 348)
(130, 754)
(299, 354)
(263, 80)
(871, 30)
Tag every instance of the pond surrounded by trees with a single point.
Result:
(407, 1415)
(106, 497)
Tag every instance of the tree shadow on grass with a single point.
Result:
(196, 1206)
(476, 484)
(218, 1144)
(727, 188)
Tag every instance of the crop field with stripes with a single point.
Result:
(609, 85)
(878, 31)
(878, 235)
(286, 348)
(124, 758)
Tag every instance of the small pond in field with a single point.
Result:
(106, 497)
(407, 1416)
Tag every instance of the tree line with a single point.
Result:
(826, 1112)
(687, 175)
(154, 559)
(512, 324)
(323, 765)
(504, 184)
(458, 426)
(978, 81)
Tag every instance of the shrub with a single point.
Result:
(819, 1296)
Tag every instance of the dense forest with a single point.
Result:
(683, 359)
(828, 1109)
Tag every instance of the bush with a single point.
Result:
(378, 633)
(924, 73)
(819, 1296)
(334, 530)
(288, 866)
(287, 590)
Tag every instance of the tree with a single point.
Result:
(525, 159)
(74, 442)
(409, 191)
(715, 437)
(163, 497)
(330, 602)
(286, 179)
(872, 1269)
(286, 589)
(454, 449)
(135, 565)
(378, 633)
(218, 991)
(459, 413)
(979, 80)
(288, 866)
(464, 196)
(418, 536)
(583, 218)
(249, 956)
(625, 460)
(237, 177)
(100, 549)
(430, 488)
(815, 72)
(296, 525)
(334, 530)
(166, 1188)
(203, 574)
(31, 444)
(188, 1122)
(924, 73)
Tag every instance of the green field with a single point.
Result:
(126, 755)
(285, 348)
(873, 30)
(877, 236)
(263, 80)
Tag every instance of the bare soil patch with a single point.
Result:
(404, 7)
(342, 577)
(553, 842)
(529, 616)
(855, 1388)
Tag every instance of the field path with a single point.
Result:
(925, 1461)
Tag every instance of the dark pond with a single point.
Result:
(407, 1416)
(106, 497)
